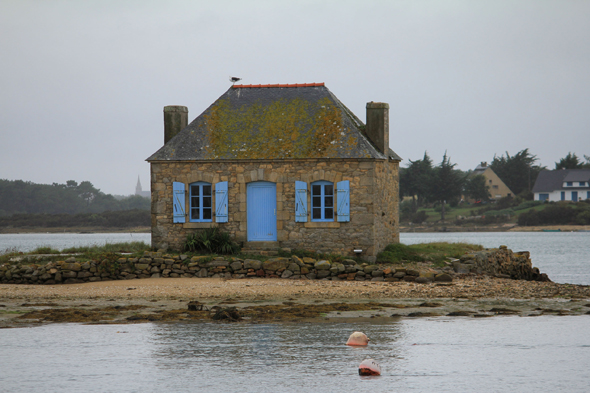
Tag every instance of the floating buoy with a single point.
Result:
(369, 367)
(358, 338)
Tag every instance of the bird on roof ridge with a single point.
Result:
(234, 79)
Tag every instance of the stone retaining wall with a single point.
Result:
(498, 262)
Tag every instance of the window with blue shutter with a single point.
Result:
(221, 212)
(178, 202)
(343, 201)
(201, 202)
(300, 201)
(322, 201)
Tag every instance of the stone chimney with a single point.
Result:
(377, 128)
(175, 119)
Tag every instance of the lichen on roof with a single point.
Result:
(285, 128)
(271, 123)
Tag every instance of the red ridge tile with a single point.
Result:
(279, 85)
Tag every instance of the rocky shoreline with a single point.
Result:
(162, 287)
(260, 300)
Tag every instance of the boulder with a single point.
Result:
(322, 265)
(297, 260)
(235, 266)
(377, 273)
(252, 264)
(443, 277)
(73, 266)
(275, 264)
(287, 274)
(217, 263)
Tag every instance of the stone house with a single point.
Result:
(278, 165)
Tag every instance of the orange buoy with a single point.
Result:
(358, 338)
(369, 367)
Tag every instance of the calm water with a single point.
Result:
(29, 241)
(564, 256)
(501, 354)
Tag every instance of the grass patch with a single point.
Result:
(44, 250)
(94, 252)
(125, 247)
(436, 253)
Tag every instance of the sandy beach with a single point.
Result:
(274, 300)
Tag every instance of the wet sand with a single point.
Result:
(274, 300)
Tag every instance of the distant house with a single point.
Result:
(563, 185)
(139, 191)
(497, 188)
(285, 165)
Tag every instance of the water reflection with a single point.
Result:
(262, 351)
(426, 355)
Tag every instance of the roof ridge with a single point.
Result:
(280, 85)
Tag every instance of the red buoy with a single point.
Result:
(369, 367)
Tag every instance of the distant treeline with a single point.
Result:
(112, 219)
(20, 197)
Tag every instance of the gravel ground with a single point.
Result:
(466, 296)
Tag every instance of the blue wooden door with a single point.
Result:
(262, 211)
(575, 196)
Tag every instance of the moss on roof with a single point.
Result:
(271, 123)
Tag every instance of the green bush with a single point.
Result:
(556, 214)
(419, 217)
(527, 205)
(504, 203)
(583, 218)
(397, 252)
(438, 207)
(211, 241)
(433, 252)
(530, 218)
(504, 212)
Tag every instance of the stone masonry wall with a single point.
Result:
(500, 262)
(374, 192)
(386, 198)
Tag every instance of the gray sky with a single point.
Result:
(83, 83)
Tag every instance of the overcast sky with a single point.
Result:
(83, 83)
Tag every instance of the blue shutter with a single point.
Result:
(221, 201)
(343, 200)
(300, 201)
(178, 202)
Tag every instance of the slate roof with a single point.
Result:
(549, 181)
(578, 175)
(272, 122)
